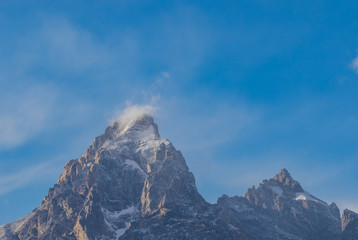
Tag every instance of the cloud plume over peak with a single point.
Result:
(132, 112)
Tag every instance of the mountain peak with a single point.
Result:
(140, 118)
(283, 175)
(282, 184)
(349, 224)
(284, 178)
(347, 216)
(137, 128)
(131, 184)
(139, 123)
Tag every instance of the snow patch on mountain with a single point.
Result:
(305, 196)
(115, 215)
(119, 218)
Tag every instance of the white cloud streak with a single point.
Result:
(59, 45)
(354, 64)
(24, 114)
(133, 111)
(22, 178)
(33, 109)
(29, 105)
(72, 48)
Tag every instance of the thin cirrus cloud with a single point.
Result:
(32, 110)
(58, 50)
(354, 64)
(22, 178)
(73, 48)
(25, 113)
(132, 112)
(30, 102)
(59, 45)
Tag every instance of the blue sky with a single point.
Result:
(242, 88)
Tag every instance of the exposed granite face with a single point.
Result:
(349, 225)
(132, 184)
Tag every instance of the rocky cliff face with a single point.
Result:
(132, 184)
(349, 225)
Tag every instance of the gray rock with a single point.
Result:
(132, 184)
(349, 225)
(280, 209)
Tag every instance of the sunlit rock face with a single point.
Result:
(132, 184)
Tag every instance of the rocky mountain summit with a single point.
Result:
(132, 184)
(280, 209)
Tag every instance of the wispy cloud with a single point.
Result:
(58, 45)
(354, 64)
(133, 111)
(32, 109)
(30, 100)
(11, 182)
(24, 114)
(72, 48)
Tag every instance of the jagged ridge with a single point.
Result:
(132, 184)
